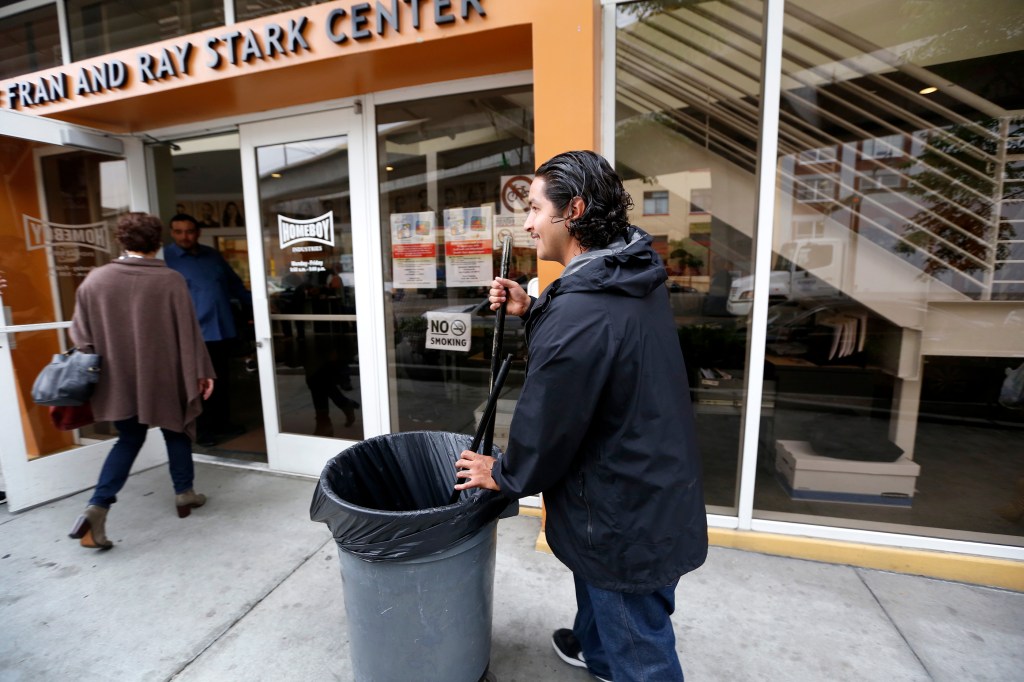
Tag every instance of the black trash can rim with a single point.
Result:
(465, 498)
(403, 529)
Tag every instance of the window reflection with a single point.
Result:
(251, 9)
(98, 28)
(45, 254)
(453, 173)
(673, 142)
(307, 238)
(29, 41)
(897, 273)
(85, 192)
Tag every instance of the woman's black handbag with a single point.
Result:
(68, 380)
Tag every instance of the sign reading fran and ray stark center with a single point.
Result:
(235, 47)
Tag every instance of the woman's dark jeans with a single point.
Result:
(131, 436)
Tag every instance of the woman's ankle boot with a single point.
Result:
(187, 501)
(90, 528)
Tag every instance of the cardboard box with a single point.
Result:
(807, 476)
(502, 420)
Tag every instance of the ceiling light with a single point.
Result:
(389, 168)
(275, 175)
(929, 90)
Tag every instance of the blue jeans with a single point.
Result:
(131, 436)
(627, 637)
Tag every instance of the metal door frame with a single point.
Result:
(305, 454)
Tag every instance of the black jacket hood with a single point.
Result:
(627, 267)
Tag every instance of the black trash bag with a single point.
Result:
(386, 498)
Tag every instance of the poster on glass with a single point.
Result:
(468, 246)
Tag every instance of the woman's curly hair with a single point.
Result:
(140, 232)
(606, 202)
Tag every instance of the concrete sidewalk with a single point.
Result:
(247, 588)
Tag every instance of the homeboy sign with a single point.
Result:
(235, 46)
(315, 230)
(40, 234)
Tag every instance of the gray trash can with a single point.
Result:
(418, 573)
(425, 619)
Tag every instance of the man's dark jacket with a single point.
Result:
(604, 426)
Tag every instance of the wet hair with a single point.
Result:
(184, 218)
(606, 202)
(140, 232)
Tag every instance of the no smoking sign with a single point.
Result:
(448, 331)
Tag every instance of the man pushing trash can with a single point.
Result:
(604, 426)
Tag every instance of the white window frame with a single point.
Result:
(704, 206)
(885, 147)
(808, 226)
(820, 155)
(653, 199)
(875, 180)
(812, 189)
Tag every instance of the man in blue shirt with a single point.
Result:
(212, 284)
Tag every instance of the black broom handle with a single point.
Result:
(499, 336)
(492, 400)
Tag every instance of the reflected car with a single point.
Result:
(685, 300)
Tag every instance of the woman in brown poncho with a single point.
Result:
(136, 313)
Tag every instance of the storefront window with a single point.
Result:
(687, 93)
(252, 9)
(897, 286)
(45, 253)
(454, 172)
(29, 41)
(98, 28)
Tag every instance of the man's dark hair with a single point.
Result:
(184, 218)
(606, 202)
(139, 232)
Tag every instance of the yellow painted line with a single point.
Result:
(976, 570)
(964, 568)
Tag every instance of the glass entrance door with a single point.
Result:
(304, 183)
(57, 209)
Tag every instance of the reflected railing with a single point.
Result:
(957, 177)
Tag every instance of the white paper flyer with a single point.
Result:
(414, 250)
(512, 226)
(468, 246)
